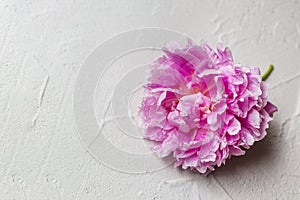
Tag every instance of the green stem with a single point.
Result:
(268, 72)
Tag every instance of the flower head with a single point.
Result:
(202, 108)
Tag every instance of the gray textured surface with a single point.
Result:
(43, 45)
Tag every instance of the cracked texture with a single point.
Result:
(44, 43)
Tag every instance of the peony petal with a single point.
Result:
(234, 126)
(254, 118)
(236, 151)
(270, 108)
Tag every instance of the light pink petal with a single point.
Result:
(254, 118)
(234, 126)
(236, 151)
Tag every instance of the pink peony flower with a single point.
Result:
(202, 108)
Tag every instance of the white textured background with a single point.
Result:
(44, 43)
